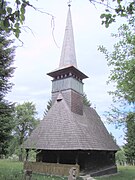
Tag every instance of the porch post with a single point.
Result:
(58, 158)
(27, 154)
(76, 159)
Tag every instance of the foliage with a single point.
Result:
(25, 122)
(122, 74)
(115, 8)
(13, 16)
(122, 61)
(6, 61)
(120, 157)
(6, 72)
(85, 100)
(14, 157)
(130, 139)
(113, 137)
(49, 105)
(13, 146)
(6, 126)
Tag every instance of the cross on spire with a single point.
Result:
(69, 3)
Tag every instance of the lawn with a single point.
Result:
(10, 170)
(124, 173)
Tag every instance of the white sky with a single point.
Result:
(39, 54)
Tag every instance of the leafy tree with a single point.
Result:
(115, 8)
(122, 74)
(6, 72)
(120, 157)
(25, 121)
(12, 15)
(13, 147)
(130, 139)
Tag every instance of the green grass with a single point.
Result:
(124, 173)
(10, 170)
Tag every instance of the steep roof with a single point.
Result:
(68, 55)
(62, 129)
(68, 63)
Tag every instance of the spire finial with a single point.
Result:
(69, 3)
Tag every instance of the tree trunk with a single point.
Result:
(21, 155)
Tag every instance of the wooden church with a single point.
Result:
(72, 133)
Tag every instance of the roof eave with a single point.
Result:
(65, 70)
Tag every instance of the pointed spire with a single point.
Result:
(68, 55)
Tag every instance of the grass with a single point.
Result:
(10, 170)
(124, 173)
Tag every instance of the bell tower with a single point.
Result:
(67, 79)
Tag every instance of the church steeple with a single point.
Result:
(68, 55)
(67, 79)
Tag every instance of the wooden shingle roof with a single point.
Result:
(62, 129)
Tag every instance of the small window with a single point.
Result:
(59, 98)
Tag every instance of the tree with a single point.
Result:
(120, 157)
(122, 74)
(6, 61)
(25, 121)
(12, 18)
(85, 100)
(122, 61)
(6, 72)
(130, 139)
(49, 105)
(12, 15)
(6, 126)
(115, 8)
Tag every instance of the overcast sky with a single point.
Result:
(40, 54)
